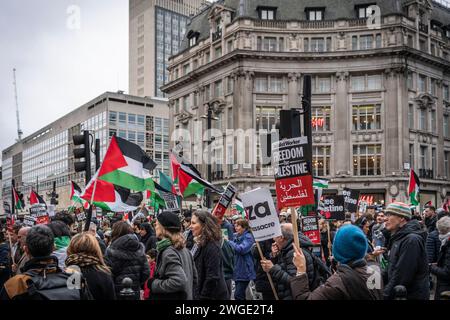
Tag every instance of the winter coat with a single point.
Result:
(149, 241)
(100, 283)
(175, 275)
(430, 223)
(378, 239)
(5, 267)
(211, 282)
(433, 245)
(408, 264)
(261, 281)
(442, 270)
(284, 269)
(126, 258)
(324, 242)
(189, 239)
(229, 258)
(348, 283)
(244, 268)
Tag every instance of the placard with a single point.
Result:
(224, 201)
(351, 198)
(39, 211)
(310, 228)
(29, 221)
(332, 208)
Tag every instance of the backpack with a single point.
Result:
(55, 286)
(321, 271)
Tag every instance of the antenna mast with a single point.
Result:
(19, 131)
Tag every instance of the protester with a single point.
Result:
(364, 224)
(175, 275)
(62, 234)
(441, 269)
(148, 237)
(101, 242)
(41, 273)
(207, 257)
(350, 280)
(244, 270)
(85, 253)
(262, 284)
(430, 218)
(13, 239)
(433, 243)
(68, 220)
(22, 237)
(5, 269)
(323, 226)
(126, 258)
(227, 229)
(187, 233)
(408, 265)
(378, 239)
(281, 266)
(151, 258)
(229, 258)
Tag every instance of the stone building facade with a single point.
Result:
(380, 101)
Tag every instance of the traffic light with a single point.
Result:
(84, 152)
(54, 195)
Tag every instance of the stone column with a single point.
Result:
(342, 137)
(391, 125)
(293, 101)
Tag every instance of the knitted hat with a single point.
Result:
(169, 221)
(350, 244)
(399, 209)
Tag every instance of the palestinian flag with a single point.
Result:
(110, 197)
(17, 203)
(75, 195)
(126, 165)
(154, 198)
(414, 188)
(190, 182)
(319, 183)
(36, 198)
(166, 182)
(240, 208)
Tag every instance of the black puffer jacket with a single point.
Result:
(408, 263)
(211, 281)
(433, 246)
(5, 267)
(430, 223)
(284, 269)
(126, 258)
(442, 270)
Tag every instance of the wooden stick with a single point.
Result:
(329, 239)
(268, 274)
(295, 226)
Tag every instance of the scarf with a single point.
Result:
(163, 244)
(62, 242)
(83, 260)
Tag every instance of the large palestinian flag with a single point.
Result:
(414, 188)
(126, 165)
(75, 195)
(36, 198)
(17, 203)
(111, 197)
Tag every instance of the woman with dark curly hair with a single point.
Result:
(208, 257)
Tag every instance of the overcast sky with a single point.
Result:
(59, 66)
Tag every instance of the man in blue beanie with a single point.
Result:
(353, 280)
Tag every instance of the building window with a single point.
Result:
(422, 85)
(447, 163)
(230, 118)
(122, 118)
(177, 106)
(446, 92)
(410, 41)
(363, 11)
(366, 42)
(122, 134)
(446, 126)
(378, 43)
(410, 81)
(186, 102)
(321, 119)
(358, 83)
(218, 92)
(315, 14)
(112, 118)
(272, 84)
(355, 43)
(321, 161)
(186, 69)
(317, 45)
(423, 125)
(208, 92)
(112, 132)
(374, 82)
(411, 155)
(230, 84)
(208, 57)
(195, 99)
(141, 121)
(433, 87)
(266, 118)
(323, 85)
(366, 117)
(131, 119)
(411, 116)
(433, 121)
(218, 52)
(269, 44)
(433, 161)
(267, 13)
(423, 157)
(367, 160)
(423, 45)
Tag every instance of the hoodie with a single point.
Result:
(408, 263)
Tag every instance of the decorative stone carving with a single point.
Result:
(293, 76)
(342, 76)
(425, 100)
(184, 117)
(394, 189)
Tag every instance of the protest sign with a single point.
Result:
(81, 216)
(332, 208)
(39, 211)
(29, 221)
(351, 198)
(170, 199)
(310, 228)
(293, 179)
(263, 218)
(224, 201)
(6, 207)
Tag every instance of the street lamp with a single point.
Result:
(209, 117)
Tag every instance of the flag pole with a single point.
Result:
(267, 273)
(89, 214)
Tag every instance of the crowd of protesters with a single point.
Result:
(389, 253)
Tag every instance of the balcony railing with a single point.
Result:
(317, 24)
(426, 173)
(274, 24)
(357, 22)
(217, 35)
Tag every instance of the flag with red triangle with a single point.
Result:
(36, 198)
(17, 203)
(414, 188)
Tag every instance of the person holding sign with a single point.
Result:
(353, 279)
(244, 269)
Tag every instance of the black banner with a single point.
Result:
(332, 208)
(351, 198)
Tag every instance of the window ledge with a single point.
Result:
(367, 131)
(368, 91)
